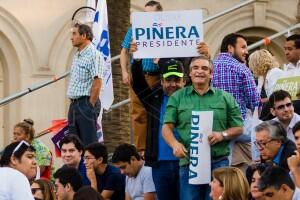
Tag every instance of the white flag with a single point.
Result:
(101, 41)
(90, 14)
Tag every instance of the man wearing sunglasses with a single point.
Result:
(273, 144)
(18, 166)
(282, 108)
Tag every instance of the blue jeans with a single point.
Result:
(166, 180)
(82, 119)
(196, 192)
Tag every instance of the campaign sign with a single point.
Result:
(290, 84)
(200, 160)
(167, 34)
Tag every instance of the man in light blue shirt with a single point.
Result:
(84, 85)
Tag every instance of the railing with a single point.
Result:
(267, 40)
(33, 88)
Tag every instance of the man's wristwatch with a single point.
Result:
(225, 135)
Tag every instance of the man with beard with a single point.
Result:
(232, 75)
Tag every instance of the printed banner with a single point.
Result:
(290, 84)
(167, 34)
(200, 159)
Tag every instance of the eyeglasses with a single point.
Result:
(19, 145)
(288, 105)
(262, 144)
(87, 158)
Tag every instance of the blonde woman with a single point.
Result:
(264, 65)
(229, 183)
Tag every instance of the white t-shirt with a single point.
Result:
(292, 70)
(14, 185)
(289, 129)
(143, 183)
(296, 195)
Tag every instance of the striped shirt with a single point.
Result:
(148, 65)
(235, 77)
(87, 64)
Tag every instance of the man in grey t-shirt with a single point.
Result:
(139, 182)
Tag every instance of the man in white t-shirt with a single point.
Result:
(292, 53)
(139, 182)
(276, 184)
(18, 166)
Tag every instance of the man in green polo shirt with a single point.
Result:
(227, 123)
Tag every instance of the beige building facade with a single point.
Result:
(35, 47)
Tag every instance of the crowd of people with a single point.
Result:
(256, 162)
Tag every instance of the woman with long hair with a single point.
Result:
(229, 183)
(42, 189)
(253, 173)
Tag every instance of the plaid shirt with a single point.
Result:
(234, 77)
(86, 65)
(148, 65)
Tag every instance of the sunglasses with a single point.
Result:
(34, 190)
(19, 145)
(288, 105)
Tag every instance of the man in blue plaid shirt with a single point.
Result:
(84, 85)
(151, 72)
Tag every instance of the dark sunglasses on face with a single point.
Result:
(34, 190)
(288, 105)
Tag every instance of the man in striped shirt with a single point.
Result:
(84, 85)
